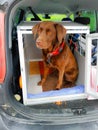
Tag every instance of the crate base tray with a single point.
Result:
(65, 91)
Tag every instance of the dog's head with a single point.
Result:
(48, 33)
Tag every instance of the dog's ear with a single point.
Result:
(61, 32)
(35, 29)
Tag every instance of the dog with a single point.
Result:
(50, 37)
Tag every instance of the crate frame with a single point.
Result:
(72, 28)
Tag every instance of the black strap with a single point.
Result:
(34, 14)
(21, 15)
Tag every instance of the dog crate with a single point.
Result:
(31, 64)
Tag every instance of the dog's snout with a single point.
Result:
(39, 44)
(39, 39)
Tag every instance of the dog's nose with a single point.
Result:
(39, 40)
(39, 43)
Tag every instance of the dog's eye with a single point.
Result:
(41, 29)
(47, 30)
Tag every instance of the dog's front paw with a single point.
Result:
(40, 83)
(58, 87)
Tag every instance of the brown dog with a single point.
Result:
(56, 53)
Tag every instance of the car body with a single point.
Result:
(78, 114)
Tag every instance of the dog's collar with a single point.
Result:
(56, 52)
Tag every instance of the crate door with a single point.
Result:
(91, 73)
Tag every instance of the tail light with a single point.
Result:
(2, 49)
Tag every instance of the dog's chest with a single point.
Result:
(51, 62)
(54, 60)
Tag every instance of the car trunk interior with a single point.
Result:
(36, 10)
